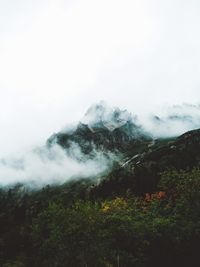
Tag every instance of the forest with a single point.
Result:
(61, 226)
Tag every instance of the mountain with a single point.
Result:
(111, 118)
(141, 159)
(103, 128)
(132, 215)
(140, 173)
(173, 120)
(112, 129)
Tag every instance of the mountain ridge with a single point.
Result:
(111, 130)
(142, 157)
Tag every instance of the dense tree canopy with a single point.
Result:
(45, 229)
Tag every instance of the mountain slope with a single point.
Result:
(102, 222)
(141, 159)
(105, 130)
(141, 172)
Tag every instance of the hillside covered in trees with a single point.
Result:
(58, 226)
(143, 211)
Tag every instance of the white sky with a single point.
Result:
(58, 57)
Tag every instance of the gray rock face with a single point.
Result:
(106, 129)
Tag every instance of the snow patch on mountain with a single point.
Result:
(102, 115)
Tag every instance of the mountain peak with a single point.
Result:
(111, 118)
(102, 126)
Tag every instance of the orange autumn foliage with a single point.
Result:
(158, 195)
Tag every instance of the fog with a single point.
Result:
(57, 57)
(51, 164)
(41, 166)
(171, 121)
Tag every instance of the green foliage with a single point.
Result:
(184, 190)
(14, 264)
(54, 229)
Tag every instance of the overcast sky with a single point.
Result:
(58, 57)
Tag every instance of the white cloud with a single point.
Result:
(39, 167)
(59, 57)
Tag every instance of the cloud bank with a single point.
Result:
(171, 121)
(162, 121)
(53, 165)
(58, 57)
(42, 166)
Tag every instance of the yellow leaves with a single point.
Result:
(105, 207)
(119, 203)
(116, 204)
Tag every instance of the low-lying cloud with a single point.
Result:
(168, 121)
(163, 121)
(53, 165)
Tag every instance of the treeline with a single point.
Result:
(60, 227)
